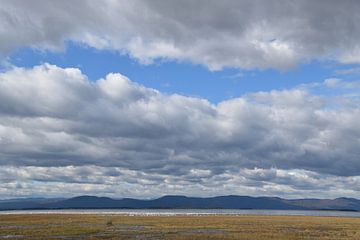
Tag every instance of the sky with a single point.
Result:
(198, 98)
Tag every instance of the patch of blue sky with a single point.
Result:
(180, 77)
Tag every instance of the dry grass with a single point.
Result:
(73, 226)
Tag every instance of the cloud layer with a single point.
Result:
(57, 127)
(242, 34)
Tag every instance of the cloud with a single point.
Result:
(348, 71)
(119, 182)
(91, 132)
(341, 84)
(241, 34)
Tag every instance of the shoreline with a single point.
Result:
(186, 212)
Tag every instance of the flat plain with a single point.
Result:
(96, 226)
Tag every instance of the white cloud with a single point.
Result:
(55, 118)
(119, 182)
(348, 71)
(242, 34)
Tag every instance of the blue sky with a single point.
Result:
(178, 76)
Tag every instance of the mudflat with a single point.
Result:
(97, 226)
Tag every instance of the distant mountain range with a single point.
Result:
(182, 202)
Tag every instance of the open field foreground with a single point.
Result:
(70, 226)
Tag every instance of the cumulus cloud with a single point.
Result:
(242, 34)
(56, 127)
(119, 182)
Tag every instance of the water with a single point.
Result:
(194, 212)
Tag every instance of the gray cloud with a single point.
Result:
(50, 181)
(59, 127)
(242, 34)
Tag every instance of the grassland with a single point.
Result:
(71, 226)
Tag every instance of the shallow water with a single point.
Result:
(171, 212)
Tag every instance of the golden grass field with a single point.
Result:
(76, 226)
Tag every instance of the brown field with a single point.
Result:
(72, 226)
